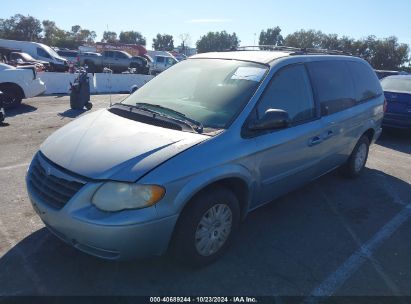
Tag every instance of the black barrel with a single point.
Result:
(80, 92)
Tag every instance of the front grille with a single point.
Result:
(53, 190)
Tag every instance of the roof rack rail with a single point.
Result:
(267, 48)
(292, 50)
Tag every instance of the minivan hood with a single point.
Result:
(103, 145)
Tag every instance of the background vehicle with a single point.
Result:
(160, 61)
(181, 161)
(117, 61)
(38, 51)
(19, 83)
(16, 58)
(384, 73)
(397, 90)
(70, 55)
(23, 59)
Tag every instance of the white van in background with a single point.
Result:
(38, 51)
(160, 61)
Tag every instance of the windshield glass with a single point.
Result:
(400, 85)
(210, 91)
(52, 52)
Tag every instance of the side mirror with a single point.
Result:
(273, 119)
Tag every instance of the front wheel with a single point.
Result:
(205, 229)
(12, 97)
(358, 158)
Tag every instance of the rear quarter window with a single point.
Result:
(333, 85)
(366, 83)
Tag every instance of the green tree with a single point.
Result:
(385, 54)
(109, 37)
(52, 35)
(163, 42)
(271, 36)
(20, 27)
(132, 37)
(217, 42)
(305, 39)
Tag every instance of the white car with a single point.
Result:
(19, 83)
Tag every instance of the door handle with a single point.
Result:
(315, 141)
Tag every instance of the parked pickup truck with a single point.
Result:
(117, 61)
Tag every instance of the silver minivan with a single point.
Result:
(178, 164)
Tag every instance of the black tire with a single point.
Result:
(184, 247)
(12, 96)
(352, 169)
(89, 105)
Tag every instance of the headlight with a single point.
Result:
(115, 196)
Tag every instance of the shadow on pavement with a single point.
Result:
(71, 113)
(396, 139)
(21, 109)
(287, 247)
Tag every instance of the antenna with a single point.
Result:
(109, 77)
(109, 80)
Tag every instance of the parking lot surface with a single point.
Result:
(335, 236)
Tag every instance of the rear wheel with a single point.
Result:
(12, 96)
(358, 158)
(205, 229)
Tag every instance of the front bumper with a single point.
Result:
(393, 120)
(36, 87)
(119, 235)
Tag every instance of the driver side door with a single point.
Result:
(288, 158)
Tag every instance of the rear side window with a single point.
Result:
(160, 59)
(366, 82)
(289, 90)
(333, 85)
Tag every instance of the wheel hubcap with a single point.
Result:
(360, 157)
(213, 230)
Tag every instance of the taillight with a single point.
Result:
(385, 105)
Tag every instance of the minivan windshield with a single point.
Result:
(397, 84)
(52, 52)
(210, 91)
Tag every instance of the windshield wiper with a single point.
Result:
(194, 124)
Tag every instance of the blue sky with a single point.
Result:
(356, 19)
